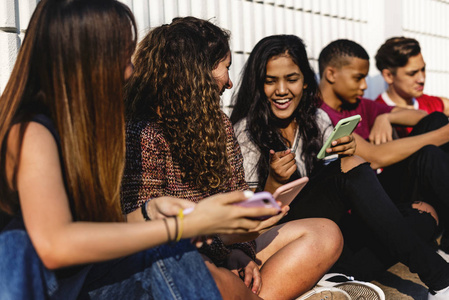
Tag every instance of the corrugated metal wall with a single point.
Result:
(369, 22)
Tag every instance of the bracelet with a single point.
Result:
(176, 228)
(181, 218)
(168, 230)
(144, 210)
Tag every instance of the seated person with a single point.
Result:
(415, 169)
(62, 143)
(281, 129)
(402, 66)
(181, 144)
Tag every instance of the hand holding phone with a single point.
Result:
(261, 199)
(343, 128)
(287, 192)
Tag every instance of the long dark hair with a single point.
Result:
(173, 85)
(72, 63)
(250, 102)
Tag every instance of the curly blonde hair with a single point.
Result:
(173, 85)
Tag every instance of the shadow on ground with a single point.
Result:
(399, 284)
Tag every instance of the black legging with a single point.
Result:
(333, 194)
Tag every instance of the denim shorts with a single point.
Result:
(164, 272)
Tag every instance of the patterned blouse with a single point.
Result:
(151, 172)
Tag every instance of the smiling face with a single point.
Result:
(284, 85)
(408, 81)
(349, 80)
(221, 73)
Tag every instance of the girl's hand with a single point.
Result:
(163, 207)
(218, 215)
(264, 226)
(243, 266)
(343, 146)
(282, 165)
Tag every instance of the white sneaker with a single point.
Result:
(439, 295)
(325, 293)
(358, 290)
(443, 255)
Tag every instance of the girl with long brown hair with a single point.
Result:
(62, 135)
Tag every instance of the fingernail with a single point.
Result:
(248, 194)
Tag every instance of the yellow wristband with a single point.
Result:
(181, 218)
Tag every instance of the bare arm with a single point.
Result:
(405, 116)
(382, 130)
(392, 152)
(60, 241)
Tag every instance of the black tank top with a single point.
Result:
(17, 221)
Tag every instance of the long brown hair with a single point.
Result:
(173, 85)
(72, 62)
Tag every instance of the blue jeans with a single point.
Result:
(165, 272)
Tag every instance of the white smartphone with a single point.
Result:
(287, 192)
(343, 128)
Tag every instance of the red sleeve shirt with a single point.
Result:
(427, 103)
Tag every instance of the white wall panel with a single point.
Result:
(299, 4)
(8, 16)
(307, 5)
(224, 13)
(289, 17)
(26, 8)
(279, 20)
(317, 22)
(317, 36)
(156, 12)
(237, 26)
(248, 26)
(325, 7)
(299, 23)
(259, 21)
(9, 45)
(142, 15)
(269, 21)
(308, 33)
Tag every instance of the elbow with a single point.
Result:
(375, 162)
(51, 256)
(375, 165)
(380, 162)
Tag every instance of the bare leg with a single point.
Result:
(229, 285)
(350, 162)
(295, 255)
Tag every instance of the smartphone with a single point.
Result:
(261, 199)
(343, 128)
(287, 192)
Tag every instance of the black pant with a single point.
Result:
(333, 194)
(423, 176)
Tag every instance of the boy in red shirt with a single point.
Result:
(402, 66)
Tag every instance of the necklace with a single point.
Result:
(296, 141)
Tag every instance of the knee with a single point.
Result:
(431, 153)
(437, 119)
(424, 207)
(350, 162)
(328, 237)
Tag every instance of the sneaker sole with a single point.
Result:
(323, 293)
(359, 291)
